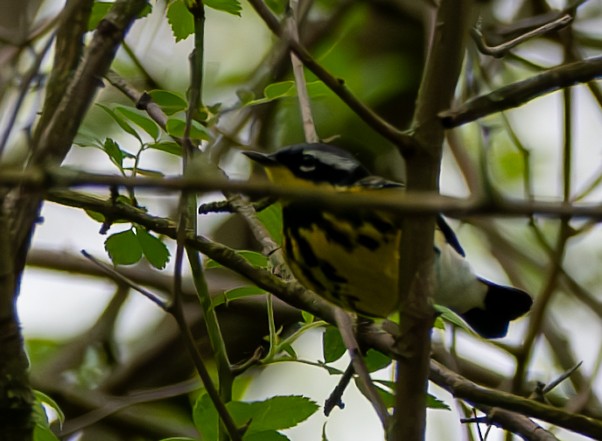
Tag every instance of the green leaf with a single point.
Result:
(230, 6)
(123, 248)
(276, 413)
(385, 393)
(178, 438)
(253, 257)
(153, 248)
(43, 433)
(376, 360)
(287, 89)
(114, 152)
(281, 412)
(180, 19)
(169, 102)
(83, 139)
(42, 398)
(205, 418)
(236, 293)
(100, 9)
(168, 147)
(121, 121)
(333, 347)
(98, 217)
(142, 121)
(433, 402)
(271, 218)
(307, 317)
(279, 90)
(450, 316)
(175, 127)
(271, 435)
(277, 6)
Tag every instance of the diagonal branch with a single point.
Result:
(517, 94)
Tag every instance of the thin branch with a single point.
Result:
(473, 393)
(345, 327)
(519, 93)
(406, 203)
(501, 49)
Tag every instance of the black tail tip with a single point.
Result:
(502, 304)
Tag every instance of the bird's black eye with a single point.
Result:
(308, 164)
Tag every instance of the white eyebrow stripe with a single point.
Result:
(337, 161)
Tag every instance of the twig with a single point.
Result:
(521, 92)
(309, 127)
(117, 276)
(501, 49)
(335, 399)
(345, 326)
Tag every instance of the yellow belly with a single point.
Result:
(352, 264)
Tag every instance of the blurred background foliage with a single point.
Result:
(90, 341)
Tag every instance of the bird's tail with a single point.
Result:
(502, 304)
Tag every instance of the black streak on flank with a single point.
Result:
(368, 242)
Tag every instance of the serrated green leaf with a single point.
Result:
(281, 412)
(433, 402)
(168, 147)
(112, 149)
(169, 102)
(271, 218)
(153, 248)
(121, 121)
(42, 398)
(236, 293)
(333, 347)
(376, 360)
(180, 19)
(123, 248)
(230, 6)
(142, 121)
(253, 257)
(175, 127)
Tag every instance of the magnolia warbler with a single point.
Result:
(351, 258)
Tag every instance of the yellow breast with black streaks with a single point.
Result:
(350, 259)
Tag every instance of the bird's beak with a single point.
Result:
(261, 158)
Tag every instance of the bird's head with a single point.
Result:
(311, 164)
